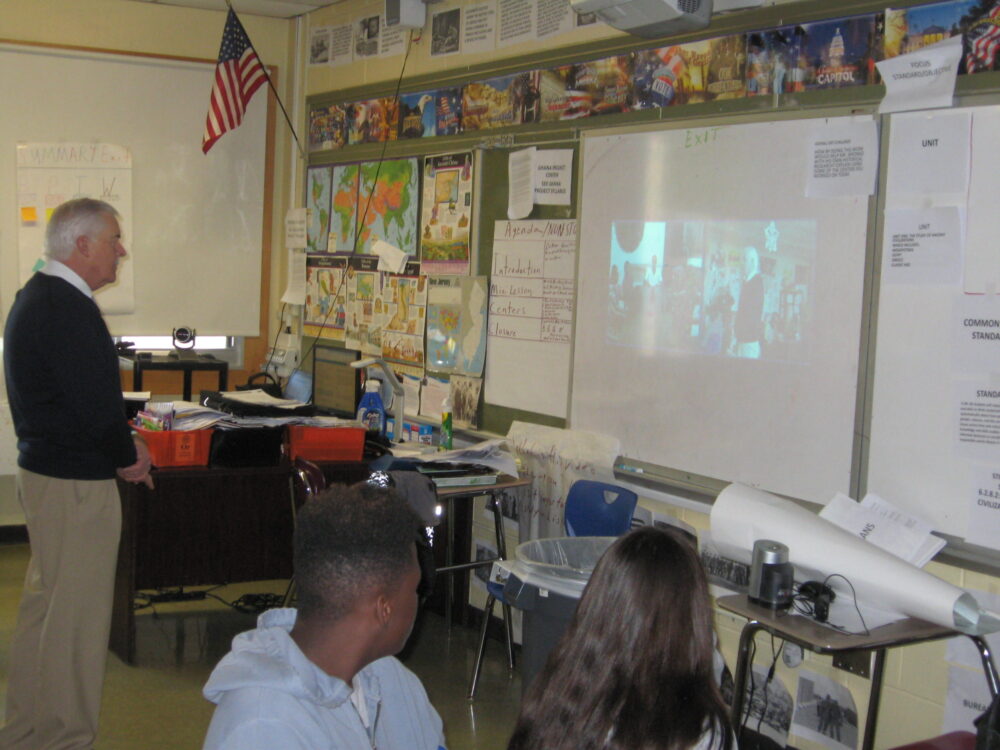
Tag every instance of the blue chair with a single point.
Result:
(592, 509)
(598, 509)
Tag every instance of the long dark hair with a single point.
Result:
(634, 668)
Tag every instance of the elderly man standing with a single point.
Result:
(65, 397)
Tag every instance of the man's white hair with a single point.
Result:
(76, 218)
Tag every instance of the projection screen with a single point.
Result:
(719, 308)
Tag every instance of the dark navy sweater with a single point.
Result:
(63, 384)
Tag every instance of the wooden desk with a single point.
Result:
(205, 526)
(809, 634)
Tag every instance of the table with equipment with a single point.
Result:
(185, 363)
(862, 654)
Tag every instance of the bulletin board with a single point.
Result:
(935, 434)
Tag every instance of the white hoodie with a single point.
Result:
(270, 696)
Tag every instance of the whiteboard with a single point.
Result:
(663, 356)
(926, 364)
(196, 226)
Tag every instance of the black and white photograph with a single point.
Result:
(825, 712)
(768, 710)
(319, 46)
(366, 34)
(465, 400)
(723, 571)
(445, 28)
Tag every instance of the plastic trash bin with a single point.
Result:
(547, 577)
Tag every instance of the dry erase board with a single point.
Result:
(935, 418)
(664, 354)
(196, 225)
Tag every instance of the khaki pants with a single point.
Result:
(60, 643)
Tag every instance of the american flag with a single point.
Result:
(983, 39)
(238, 75)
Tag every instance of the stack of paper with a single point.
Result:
(191, 416)
(883, 524)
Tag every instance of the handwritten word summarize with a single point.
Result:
(532, 298)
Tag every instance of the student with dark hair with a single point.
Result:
(634, 669)
(325, 676)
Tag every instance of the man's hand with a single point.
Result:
(139, 471)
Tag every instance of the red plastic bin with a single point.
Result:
(325, 443)
(177, 447)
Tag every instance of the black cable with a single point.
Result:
(857, 609)
(770, 676)
(368, 203)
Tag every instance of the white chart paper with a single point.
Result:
(923, 79)
(843, 160)
(532, 297)
(929, 153)
(922, 246)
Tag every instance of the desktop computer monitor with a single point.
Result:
(336, 385)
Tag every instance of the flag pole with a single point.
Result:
(270, 83)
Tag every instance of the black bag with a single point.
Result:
(256, 446)
(988, 727)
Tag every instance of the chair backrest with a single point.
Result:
(598, 509)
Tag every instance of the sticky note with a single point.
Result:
(29, 214)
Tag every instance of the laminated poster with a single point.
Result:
(446, 214)
(456, 324)
(384, 208)
(325, 313)
(317, 209)
(404, 310)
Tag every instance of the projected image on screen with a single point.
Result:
(726, 288)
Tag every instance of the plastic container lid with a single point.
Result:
(561, 564)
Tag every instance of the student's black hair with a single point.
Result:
(348, 541)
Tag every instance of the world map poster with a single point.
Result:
(382, 198)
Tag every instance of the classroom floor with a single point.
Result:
(158, 703)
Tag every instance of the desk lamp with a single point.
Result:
(398, 394)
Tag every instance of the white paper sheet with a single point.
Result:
(295, 289)
(929, 153)
(553, 176)
(741, 515)
(923, 79)
(479, 28)
(922, 246)
(532, 297)
(390, 257)
(520, 183)
(825, 712)
(295, 228)
(984, 506)
(982, 261)
(843, 160)
(977, 418)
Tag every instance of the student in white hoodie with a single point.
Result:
(324, 676)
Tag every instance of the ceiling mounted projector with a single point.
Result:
(649, 18)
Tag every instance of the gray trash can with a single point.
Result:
(545, 583)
